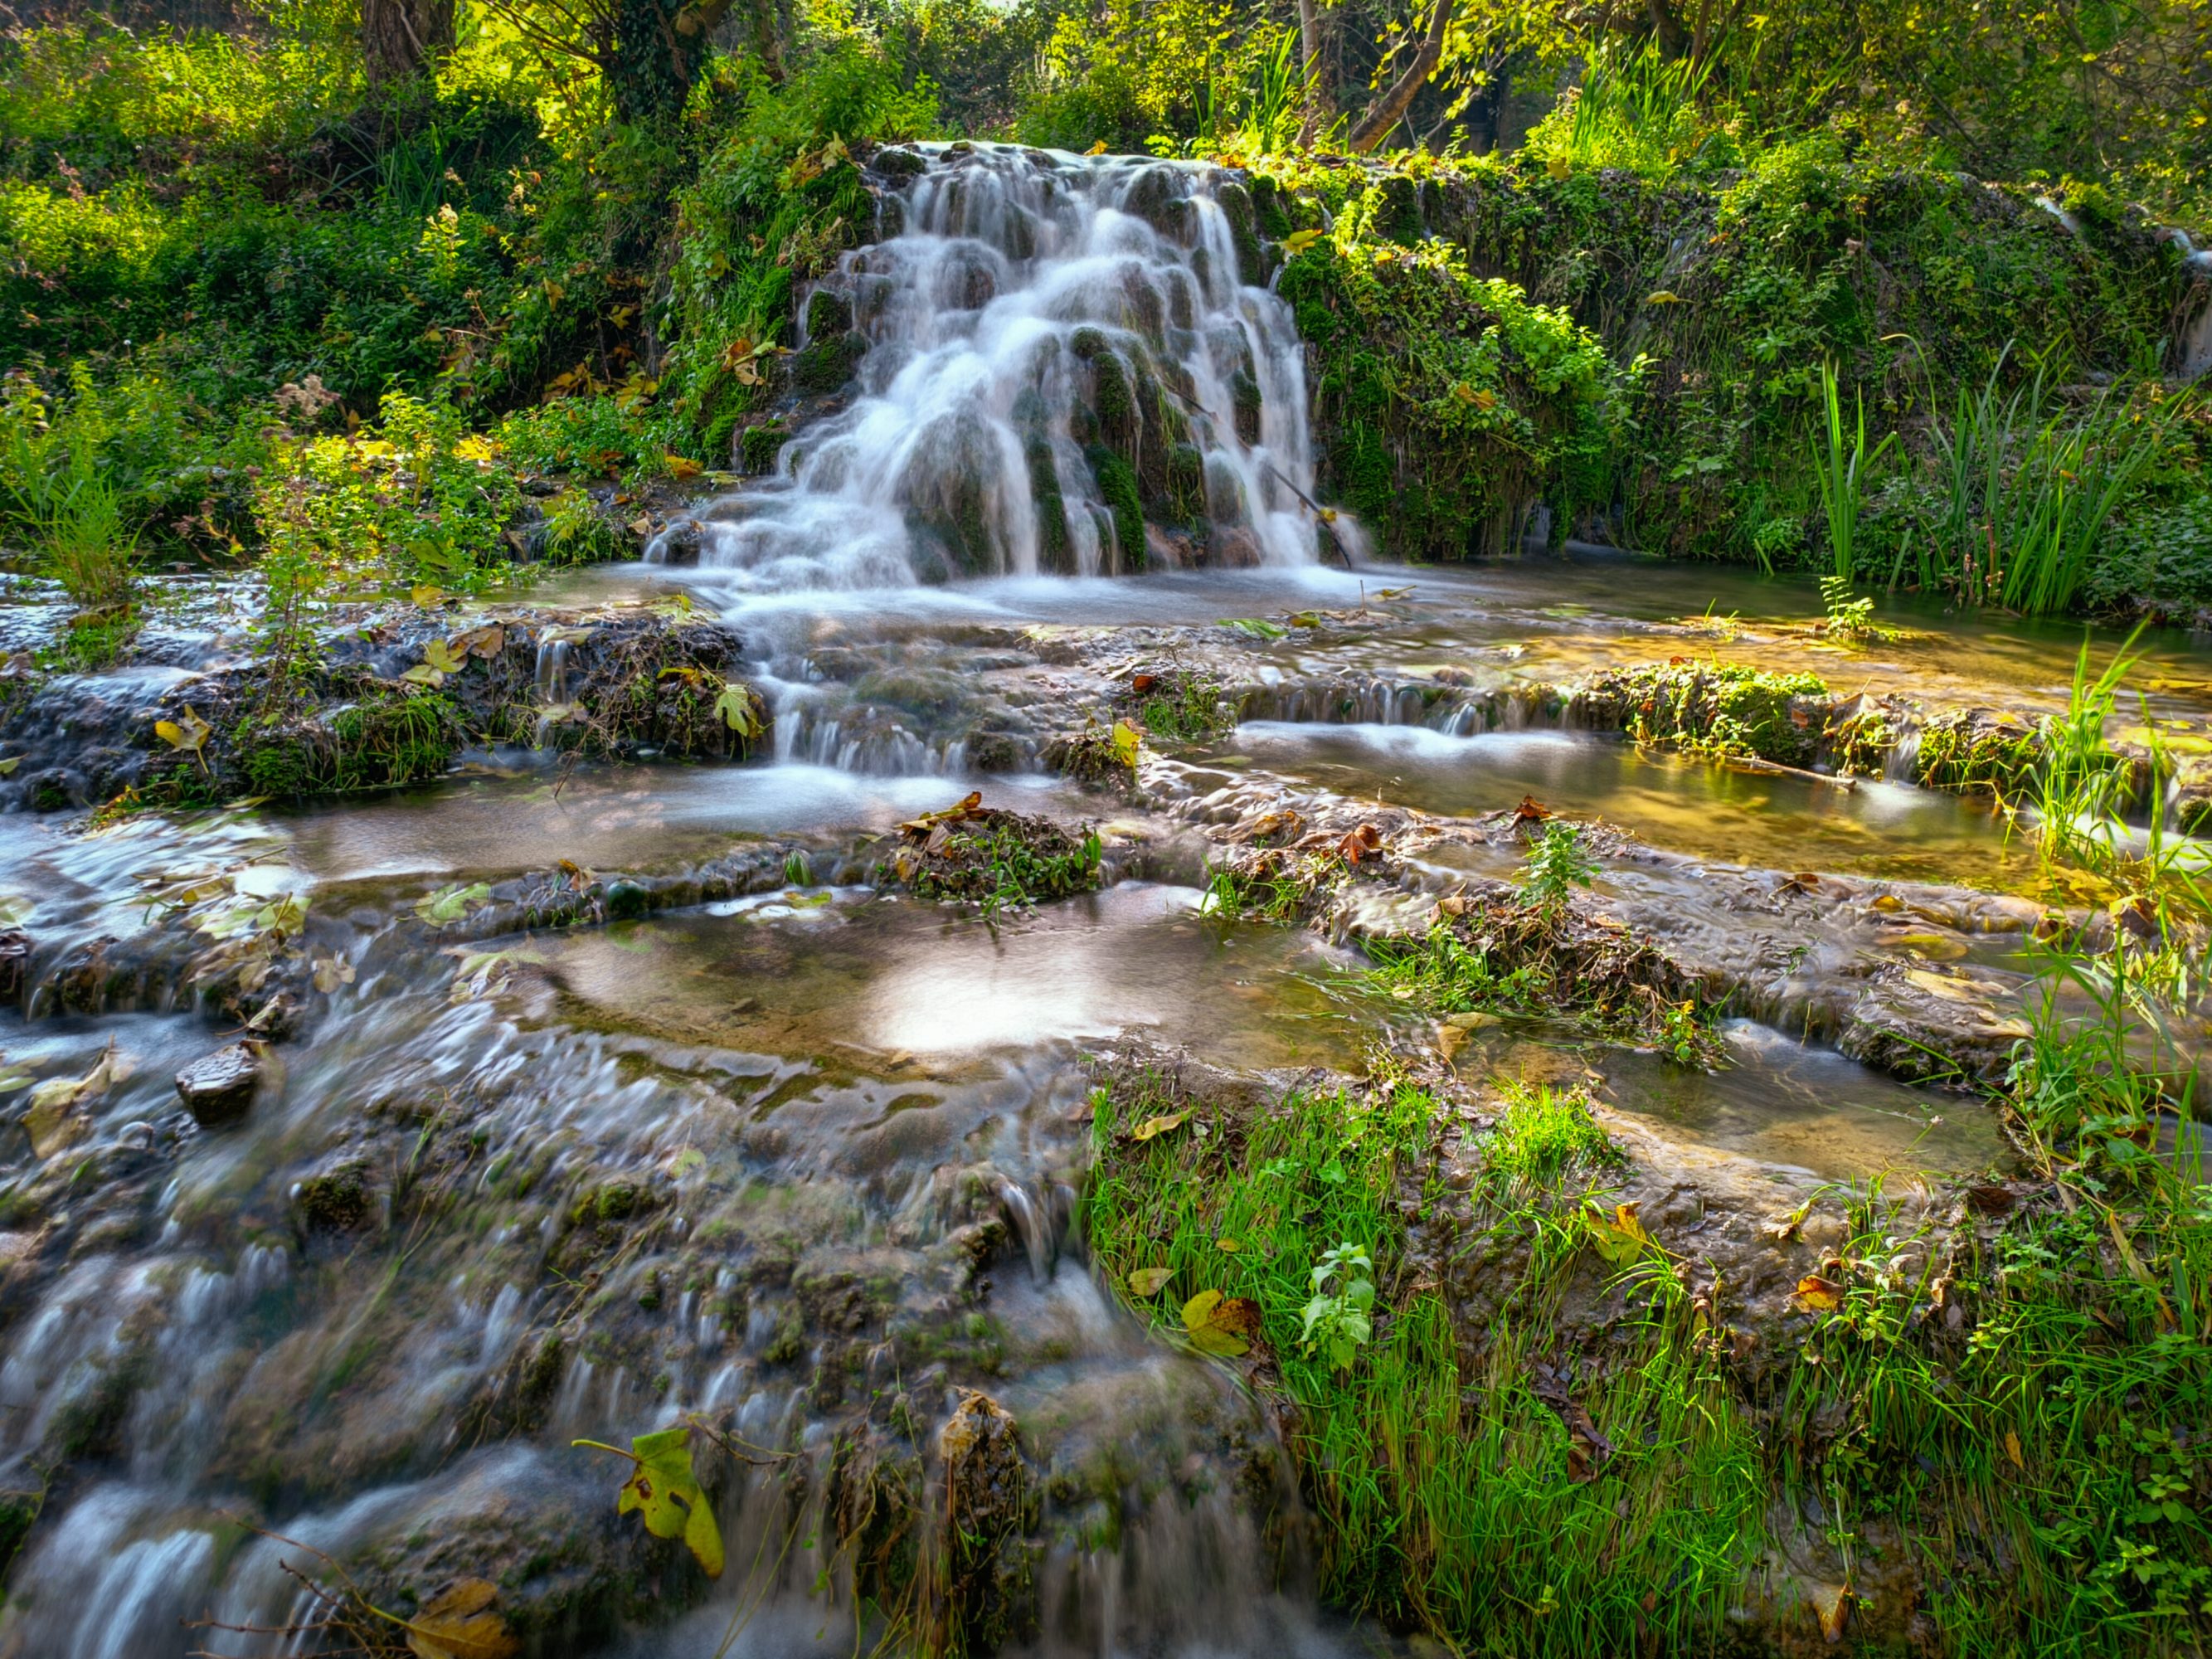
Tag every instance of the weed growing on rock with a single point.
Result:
(1556, 865)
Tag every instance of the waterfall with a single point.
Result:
(1059, 365)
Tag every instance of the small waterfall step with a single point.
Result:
(1059, 365)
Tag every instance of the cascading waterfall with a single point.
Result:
(1064, 365)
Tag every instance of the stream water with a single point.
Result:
(745, 1157)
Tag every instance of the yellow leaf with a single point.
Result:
(665, 1489)
(1558, 169)
(1098, 149)
(189, 733)
(2012, 1449)
(1153, 1127)
(1228, 1246)
(1663, 297)
(1621, 1239)
(680, 467)
(1149, 1281)
(458, 1624)
(1221, 1325)
(426, 595)
(1127, 741)
(1299, 241)
(1819, 1295)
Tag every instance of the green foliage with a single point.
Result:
(417, 499)
(1449, 402)
(1557, 865)
(1444, 1495)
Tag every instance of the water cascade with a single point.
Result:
(1059, 365)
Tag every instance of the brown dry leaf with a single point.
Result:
(1991, 1201)
(964, 808)
(458, 1624)
(1818, 1295)
(1149, 1281)
(1531, 811)
(1141, 683)
(1587, 1450)
(1830, 1603)
(1360, 843)
(1152, 1128)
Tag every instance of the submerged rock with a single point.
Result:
(219, 1088)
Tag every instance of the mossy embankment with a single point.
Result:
(392, 700)
(1641, 353)
(1594, 1405)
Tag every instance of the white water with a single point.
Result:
(973, 391)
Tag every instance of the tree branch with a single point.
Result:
(1387, 110)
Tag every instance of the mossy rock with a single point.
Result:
(1117, 487)
(828, 364)
(759, 445)
(827, 313)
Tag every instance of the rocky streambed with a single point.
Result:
(634, 1067)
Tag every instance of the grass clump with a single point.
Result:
(1180, 705)
(1458, 1489)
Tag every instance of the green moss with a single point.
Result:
(1117, 486)
(758, 445)
(1723, 707)
(828, 365)
(1967, 750)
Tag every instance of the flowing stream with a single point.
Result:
(804, 1157)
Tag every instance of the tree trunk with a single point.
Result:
(403, 39)
(654, 54)
(1311, 49)
(1390, 107)
(1674, 40)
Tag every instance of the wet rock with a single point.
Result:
(336, 1199)
(219, 1088)
(15, 965)
(990, 1598)
(680, 543)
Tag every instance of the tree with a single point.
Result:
(649, 53)
(401, 40)
(1390, 106)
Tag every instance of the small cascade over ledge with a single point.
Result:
(1060, 365)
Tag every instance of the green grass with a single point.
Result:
(1445, 1495)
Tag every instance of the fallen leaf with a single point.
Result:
(451, 904)
(1662, 297)
(1098, 149)
(663, 1488)
(2012, 1449)
(1360, 843)
(1531, 811)
(1299, 241)
(964, 808)
(1620, 1238)
(486, 642)
(1149, 1281)
(1228, 1246)
(1818, 1295)
(1991, 1201)
(1557, 169)
(1830, 1603)
(1221, 1325)
(1141, 683)
(1153, 1126)
(1126, 742)
(459, 1623)
(188, 732)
